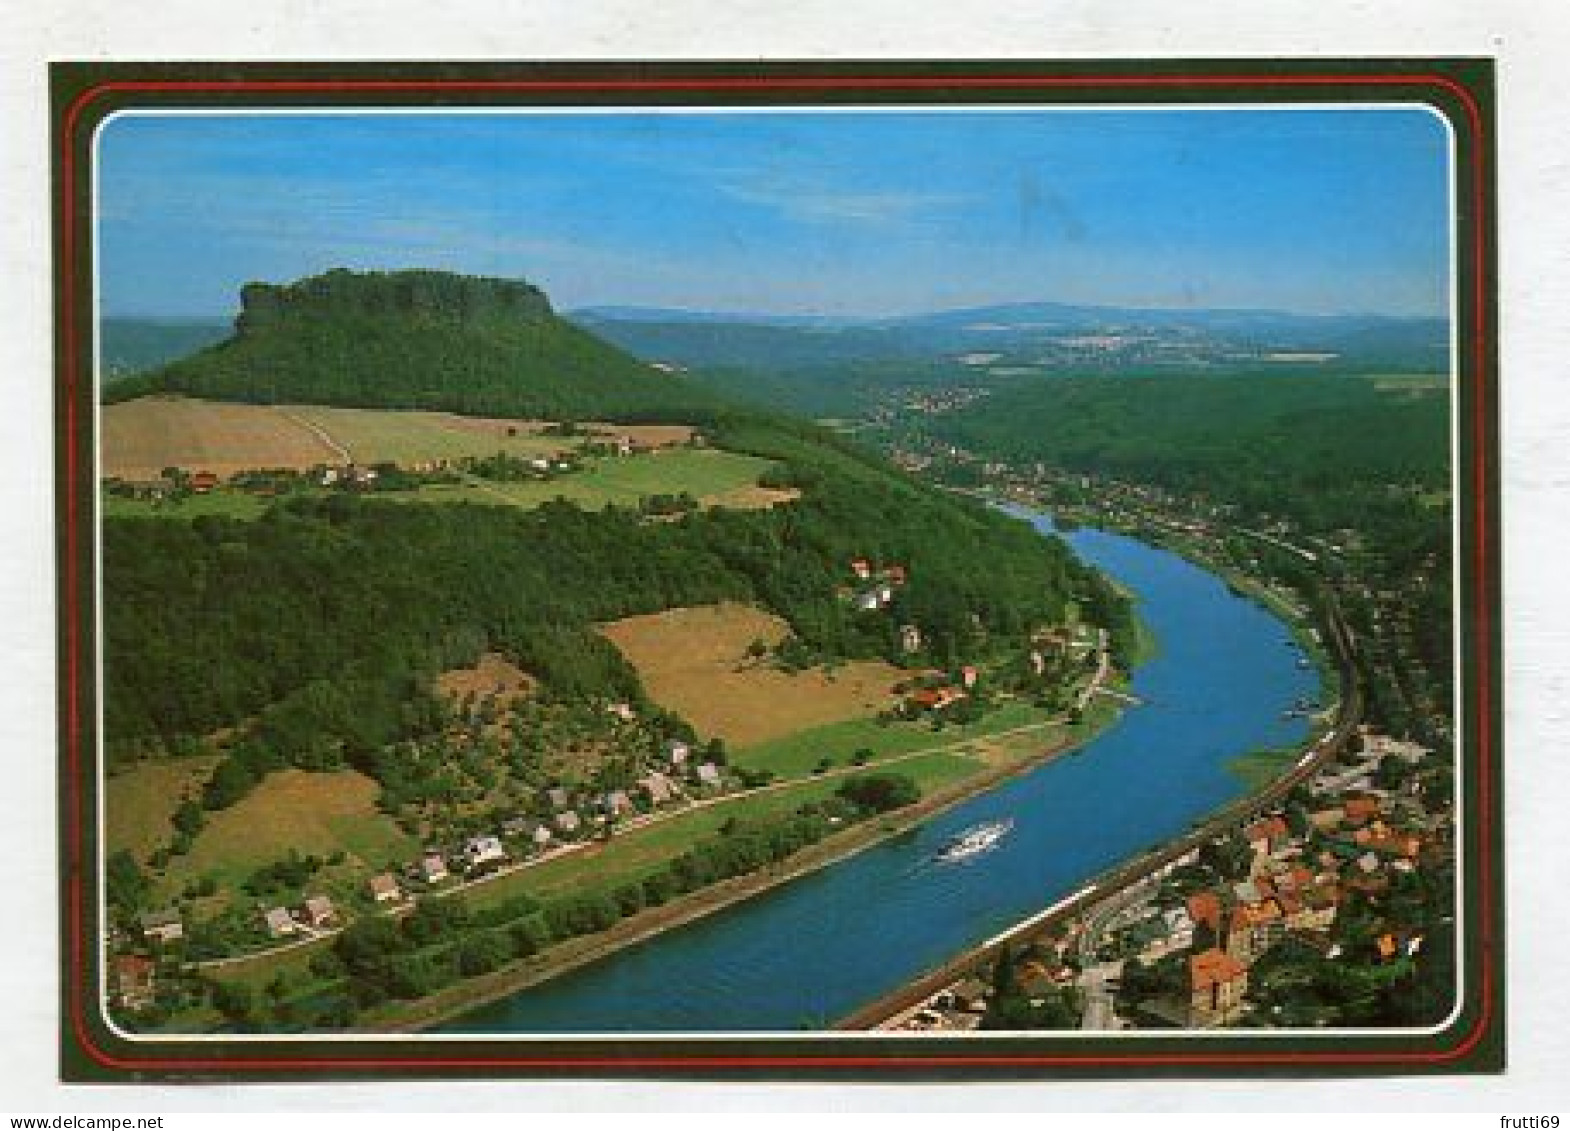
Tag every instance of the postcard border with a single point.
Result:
(1459, 89)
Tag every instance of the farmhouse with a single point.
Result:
(384, 888)
(319, 911)
(558, 797)
(709, 774)
(134, 981)
(537, 834)
(657, 788)
(910, 639)
(616, 802)
(203, 482)
(433, 869)
(935, 698)
(162, 926)
(676, 751)
(478, 850)
(568, 822)
(279, 922)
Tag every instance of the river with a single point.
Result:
(811, 951)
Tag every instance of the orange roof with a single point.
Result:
(1361, 808)
(1205, 907)
(1271, 828)
(1254, 914)
(1387, 946)
(1213, 968)
(133, 966)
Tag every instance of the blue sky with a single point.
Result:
(1321, 210)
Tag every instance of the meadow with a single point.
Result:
(292, 811)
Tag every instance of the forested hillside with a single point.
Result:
(1325, 448)
(325, 618)
(420, 339)
(127, 346)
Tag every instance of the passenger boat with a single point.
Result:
(974, 841)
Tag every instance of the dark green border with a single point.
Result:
(84, 94)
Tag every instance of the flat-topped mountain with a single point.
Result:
(420, 339)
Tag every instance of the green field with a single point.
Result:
(228, 504)
(377, 435)
(795, 755)
(712, 476)
(642, 851)
(293, 811)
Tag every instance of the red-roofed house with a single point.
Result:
(1266, 835)
(1217, 983)
(134, 982)
(1205, 907)
(935, 698)
(1254, 928)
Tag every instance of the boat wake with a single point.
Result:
(974, 842)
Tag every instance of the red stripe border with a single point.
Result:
(1483, 625)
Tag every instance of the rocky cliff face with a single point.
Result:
(342, 292)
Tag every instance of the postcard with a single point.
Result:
(889, 571)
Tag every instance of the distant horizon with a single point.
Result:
(848, 214)
(740, 315)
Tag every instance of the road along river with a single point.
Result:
(802, 955)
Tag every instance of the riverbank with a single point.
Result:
(1299, 765)
(564, 958)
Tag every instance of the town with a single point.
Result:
(1297, 918)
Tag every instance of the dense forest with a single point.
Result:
(1319, 444)
(421, 339)
(325, 618)
(1330, 454)
(313, 634)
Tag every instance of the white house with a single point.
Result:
(479, 850)
(433, 868)
(280, 923)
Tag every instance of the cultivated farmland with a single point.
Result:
(143, 436)
(694, 661)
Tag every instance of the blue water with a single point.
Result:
(802, 955)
